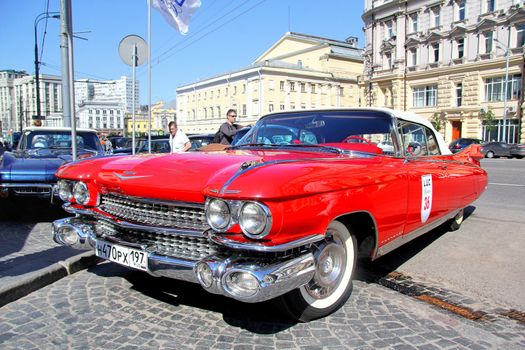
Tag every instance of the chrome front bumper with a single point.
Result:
(222, 270)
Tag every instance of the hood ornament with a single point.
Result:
(249, 164)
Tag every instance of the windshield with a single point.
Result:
(368, 131)
(57, 139)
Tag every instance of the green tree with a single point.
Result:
(437, 121)
(489, 119)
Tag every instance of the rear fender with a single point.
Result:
(471, 154)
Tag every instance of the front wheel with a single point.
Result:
(331, 285)
(489, 154)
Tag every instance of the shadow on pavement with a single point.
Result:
(261, 318)
(25, 237)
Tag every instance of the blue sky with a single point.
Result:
(224, 35)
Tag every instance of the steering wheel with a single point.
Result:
(356, 139)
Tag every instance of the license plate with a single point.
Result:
(134, 258)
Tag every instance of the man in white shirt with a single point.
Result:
(179, 142)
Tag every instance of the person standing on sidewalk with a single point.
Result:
(179, 142)
(229, 128)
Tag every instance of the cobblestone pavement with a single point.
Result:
(111, 307)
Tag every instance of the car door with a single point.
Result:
(428, 194)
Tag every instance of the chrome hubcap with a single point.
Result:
(330, 261)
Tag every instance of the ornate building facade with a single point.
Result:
(457, 62)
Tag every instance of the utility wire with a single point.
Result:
(159, 58)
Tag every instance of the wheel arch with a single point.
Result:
(363, 226)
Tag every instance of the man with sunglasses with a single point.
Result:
(229, 128)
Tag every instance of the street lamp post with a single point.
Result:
(505, 90)
(38, 18)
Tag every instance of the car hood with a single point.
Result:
(24, 167)
(233, 173)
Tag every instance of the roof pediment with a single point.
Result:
(486, 23)
(433, 36)
(412, 42)
(457, 31)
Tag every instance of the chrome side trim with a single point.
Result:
(387, 248)
(25, 184)
(259, 247)
(128, 225)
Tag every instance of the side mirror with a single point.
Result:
(414, 149)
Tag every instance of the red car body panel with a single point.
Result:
(308, 190)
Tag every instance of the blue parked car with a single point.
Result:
(29, 171)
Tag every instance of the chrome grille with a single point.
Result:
(153, 213)
(179, 246)
(32, 190)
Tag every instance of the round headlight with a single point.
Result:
(255, 220)
(81, 193)
(64, 190)
(218, 214)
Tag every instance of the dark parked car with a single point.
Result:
(29, 171)
(200, 140)
(141, 145)
(496, 149)
(118, 142)
(457, 145)
(518, 151)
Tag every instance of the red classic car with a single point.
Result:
(284, 214)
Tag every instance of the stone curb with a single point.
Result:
(35, 280)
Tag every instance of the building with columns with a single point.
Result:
(299, 71)
(448, 60)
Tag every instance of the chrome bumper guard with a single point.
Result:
(231, 274)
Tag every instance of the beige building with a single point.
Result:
(447, 60)
(298, 72)
(161, 114)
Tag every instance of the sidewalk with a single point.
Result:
(29, 258)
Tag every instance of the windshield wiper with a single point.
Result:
(254, 145)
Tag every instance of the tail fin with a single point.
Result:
(470, 154)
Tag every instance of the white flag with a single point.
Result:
(177, 12)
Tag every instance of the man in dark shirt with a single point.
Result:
(229, 129)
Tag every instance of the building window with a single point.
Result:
(491, 5)
(520, 31)
(435, 52)
(488, 41)
(461, 47)
(436, 12)
(413, 56)
(281, 107)
(425, 96)
(461, 10)
(244, 110)
(243, 88)
(303, 87)
(389, 29)
(281, 85)
(459, 94)
(495, 88)
(235, 90)
(270, 107)
(292, 86)
(413, 19)
(313, 88)
(341, 91)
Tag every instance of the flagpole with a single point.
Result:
(149, 76)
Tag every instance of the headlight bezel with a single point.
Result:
(266, 218)
(228, 219)
(236, 211)
(67, 186)
(85, 196)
